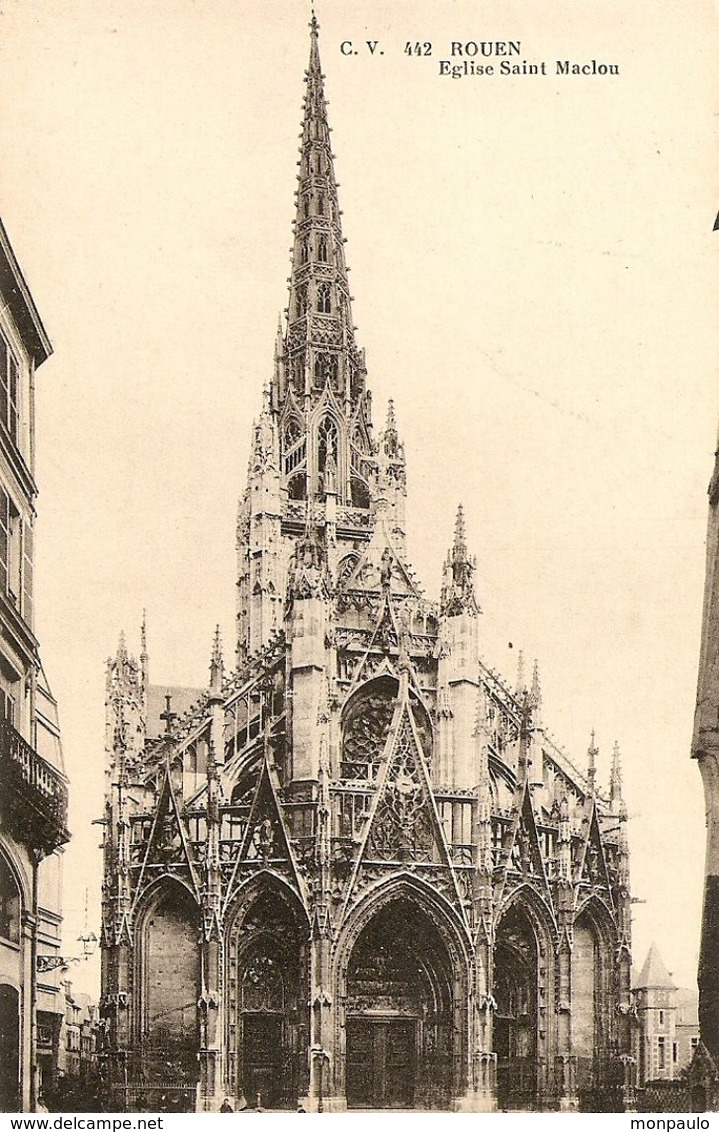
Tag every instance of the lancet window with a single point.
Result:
(326, 368)
(327, 442)
(324, 301)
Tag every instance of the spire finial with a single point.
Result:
(592, 753)
(521, 678)
(143, 634)
(535, 697)
(391, 419)
(615, 781)
(217, 667)
(460, 534)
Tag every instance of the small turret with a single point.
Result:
(392, 478)
(458, 586)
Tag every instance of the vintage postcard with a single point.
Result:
(358, 404)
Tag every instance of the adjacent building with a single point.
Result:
(33, 787)
(667, 1032)
(355, 871)
(705, 749)
(77, 1064)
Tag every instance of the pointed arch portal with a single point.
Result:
(267, 1001)
(170, 982)
(516, 963)
(399, 1022)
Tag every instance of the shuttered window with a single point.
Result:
(9, 386)
(27, 567)
(4, 540)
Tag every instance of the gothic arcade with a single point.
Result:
(355, 872)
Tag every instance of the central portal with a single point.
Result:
(381, 1057)
(399, 1013)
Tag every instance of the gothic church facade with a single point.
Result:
(354, 872)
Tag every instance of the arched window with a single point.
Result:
(297, 487)
(301, 301)
(327, 442)
(292, 432)
(326, 367)
(263, 987)
(322, 250)
(360, 493)
(346, 569)
(365, 726)
(305, 253)
(321, 204)
(366, 722)
(324, 301)
(10, 904)
(298, 373)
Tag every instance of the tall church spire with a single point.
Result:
(318, 365)
(320, 343)
(314, 455)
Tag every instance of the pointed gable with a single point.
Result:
(168, 845)
(654, 973)
(591, 864)
(403, 824)
(522, 850)
(266, 841)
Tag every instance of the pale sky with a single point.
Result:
(535, 279)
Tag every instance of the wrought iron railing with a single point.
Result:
(34, 793)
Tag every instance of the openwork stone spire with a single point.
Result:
(319, 346)
(317, 361)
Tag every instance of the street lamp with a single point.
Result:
(44, 963)
(88, 940)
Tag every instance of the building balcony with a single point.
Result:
(33, 794)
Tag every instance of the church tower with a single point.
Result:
(355, 871)
(313, 469)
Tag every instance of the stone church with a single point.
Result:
(355, 872)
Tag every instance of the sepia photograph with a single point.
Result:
(359, 571)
